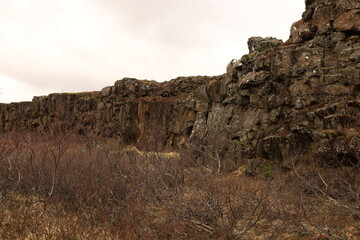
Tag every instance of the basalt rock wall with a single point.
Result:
(289, 99)
(282, 99)
(153, 115)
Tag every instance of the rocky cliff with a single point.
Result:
(151, 114)
(282, 99)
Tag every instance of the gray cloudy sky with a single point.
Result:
(81, 45)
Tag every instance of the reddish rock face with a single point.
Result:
(280, 100)
(324, 17)
(348, 21)
(302, 31)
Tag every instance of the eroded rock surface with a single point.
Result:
(280, 100)
(153, 115)
(285, 99)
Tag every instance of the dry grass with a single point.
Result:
(62, 186)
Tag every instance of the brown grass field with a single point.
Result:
(63, 186)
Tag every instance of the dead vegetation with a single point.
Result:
(62, 186)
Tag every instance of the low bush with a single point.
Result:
(63, 186)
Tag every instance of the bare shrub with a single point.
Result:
(66, 186)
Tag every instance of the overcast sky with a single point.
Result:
(82, 45)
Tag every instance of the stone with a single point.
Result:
(355, 56)
(232, 70)
(106, 91)
(322, 19)
(261, 44)
(300, 89)
(302, 31)
(337, 89)
(348, 21)
(253, 79)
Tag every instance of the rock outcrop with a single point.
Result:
(295, 97)
(282, 99)
(151, 114)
